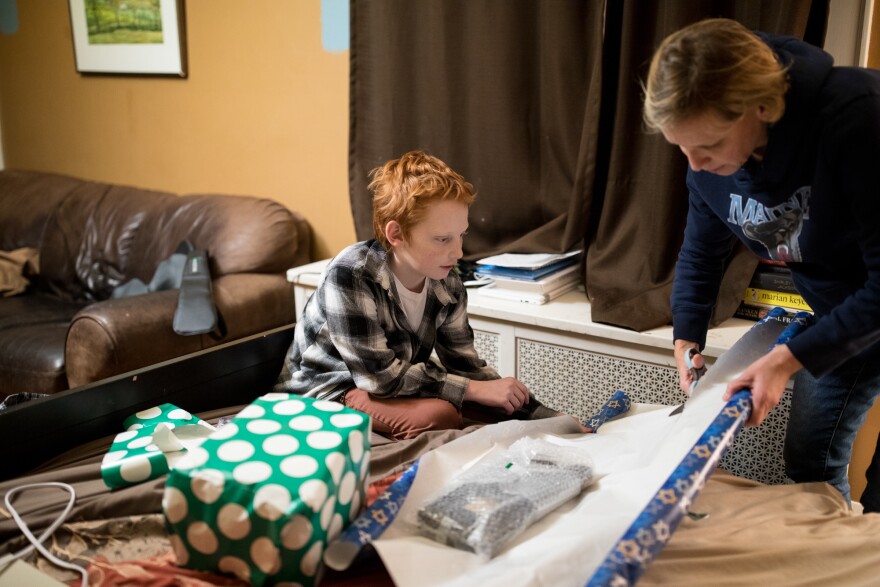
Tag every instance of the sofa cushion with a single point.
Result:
(102, 236)
(27, 310)
(27, 200)
(90, 240)
(241, 234)
(33, 330)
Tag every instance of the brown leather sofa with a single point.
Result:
(65, 331)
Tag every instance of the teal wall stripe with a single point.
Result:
(9, 17)
(334, 25)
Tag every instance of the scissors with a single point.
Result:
(696, 374)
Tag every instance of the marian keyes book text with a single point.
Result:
(768, 297)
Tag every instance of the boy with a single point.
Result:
(367, 333)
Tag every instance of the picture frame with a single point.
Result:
(137, 37)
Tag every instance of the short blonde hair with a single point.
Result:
(403, 188)
(715, 65)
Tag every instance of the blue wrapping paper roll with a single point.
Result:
(620, 403)
(652, 529)
(371, 523)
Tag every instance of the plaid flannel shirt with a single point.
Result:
(354, 333)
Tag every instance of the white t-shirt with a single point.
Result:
(413, 303)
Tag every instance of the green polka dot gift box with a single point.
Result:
(262, 497)
(153, 441)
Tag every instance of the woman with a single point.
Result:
(782, 148)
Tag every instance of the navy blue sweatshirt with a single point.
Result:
(813, 202)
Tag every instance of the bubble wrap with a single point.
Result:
(500, 496)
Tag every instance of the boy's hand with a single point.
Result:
(508, 393)
(584, 428)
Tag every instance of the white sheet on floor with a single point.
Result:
(633, 456)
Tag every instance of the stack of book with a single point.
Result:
(530, 278)
(771, 286)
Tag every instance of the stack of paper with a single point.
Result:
(532, 278)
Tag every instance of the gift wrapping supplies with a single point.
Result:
(263, 495)
(153, 441)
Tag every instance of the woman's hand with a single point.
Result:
(508, 393)
(685, 375)
(766, 378)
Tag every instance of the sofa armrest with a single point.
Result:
(252, 303)
(119, 335)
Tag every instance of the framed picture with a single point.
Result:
(132, 37)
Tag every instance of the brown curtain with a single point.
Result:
(538, 104)
(502, 90)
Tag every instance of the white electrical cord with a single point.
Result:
(38, 542)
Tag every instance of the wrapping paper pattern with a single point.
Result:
(263, 496)
(654, 526)
(371, 523)
(152, 440)
(620, 403)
